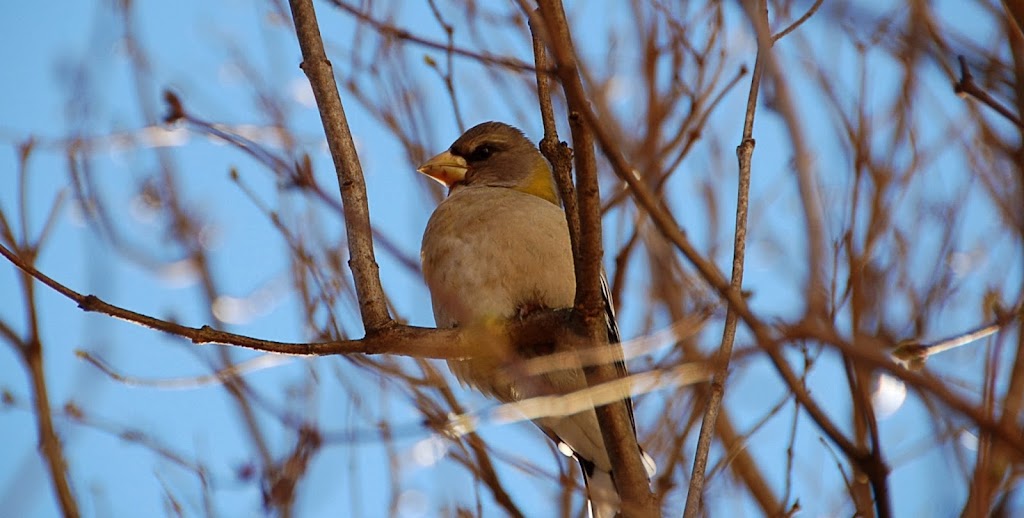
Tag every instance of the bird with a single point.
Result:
(495, 249)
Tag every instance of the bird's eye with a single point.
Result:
(482, 152)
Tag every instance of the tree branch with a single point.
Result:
(814, 218)
(967, 86)
(556, 151)
(666, 224)
(418, 342)
(708, 426)
(372, 303)
(391, 31)
(617, 428)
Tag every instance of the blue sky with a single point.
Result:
(59, 55)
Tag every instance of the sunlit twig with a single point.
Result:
(913, 355)
(187, 383)
(582, 400)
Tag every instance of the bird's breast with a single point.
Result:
(490, 252)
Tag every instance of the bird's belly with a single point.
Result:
(502, 261)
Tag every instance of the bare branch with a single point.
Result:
(372, 305)
(744, 153)
(967, 86)
(402, 34)
(616, 426)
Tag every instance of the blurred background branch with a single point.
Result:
(884, 223)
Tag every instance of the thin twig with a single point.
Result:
(296, 173)
(193, 382)
(966, 85)
(184, 231)
(870, 352)
(744, 153)
(814, 218)
(30, 348)
(449, 52)
(402, 34)
(557, 152)
(800, 21)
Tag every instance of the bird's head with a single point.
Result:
(493, 154)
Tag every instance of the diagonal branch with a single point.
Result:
(372, 303)
(967, 86)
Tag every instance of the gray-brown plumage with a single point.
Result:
(495, 248)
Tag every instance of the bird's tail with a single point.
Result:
(602, 495)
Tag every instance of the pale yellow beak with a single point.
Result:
(446, 168)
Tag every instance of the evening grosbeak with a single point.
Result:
(495, 249)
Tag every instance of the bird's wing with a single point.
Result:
(614, 338)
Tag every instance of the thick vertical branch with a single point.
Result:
(372, 305)
(1015, 9)
(666, 224)
(588, 275)
(616, 426)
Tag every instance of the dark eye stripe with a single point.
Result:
(480, 153)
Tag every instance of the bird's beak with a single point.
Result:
(446, 168)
